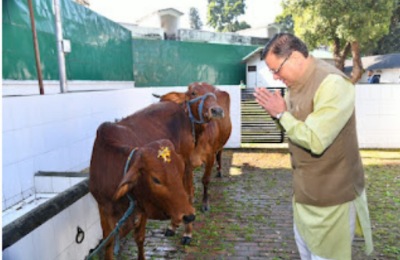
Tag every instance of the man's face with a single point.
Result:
(280, 67)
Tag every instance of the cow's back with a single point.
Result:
(163, 120)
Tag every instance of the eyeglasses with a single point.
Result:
(275, 72)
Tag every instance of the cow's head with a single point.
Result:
(200, 101)
(155, 178)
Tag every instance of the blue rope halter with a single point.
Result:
(128, 212)
(200, 110)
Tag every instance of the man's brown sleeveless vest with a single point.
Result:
(336, 176)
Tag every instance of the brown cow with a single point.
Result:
(210, 137)
(153, 179)
(163, 120)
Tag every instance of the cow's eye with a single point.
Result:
(156, 181)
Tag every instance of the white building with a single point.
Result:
(267, 31)
(161, 25)
(387, 66)
(258, 74)
(168, 19)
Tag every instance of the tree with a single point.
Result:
(222, 15)
(390, 43)
(345, 25)
(236, 26)
(285, 22)
(195, 21)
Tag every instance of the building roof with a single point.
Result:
(251, 54)
(166, 11)
(387, 61)
(170, 11)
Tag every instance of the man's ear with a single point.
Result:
(296, 55)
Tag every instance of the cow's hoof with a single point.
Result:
(205, 208)
(219, 175)
(169, 233)
(186, 240)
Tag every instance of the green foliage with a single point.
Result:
(222, 15)
(236, 26)
(285, 22)
(320, 22)
(195, 21)
(390, 43)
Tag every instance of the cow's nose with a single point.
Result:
(217, 112)
(189, 218)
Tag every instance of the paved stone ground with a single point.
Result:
(250, 216)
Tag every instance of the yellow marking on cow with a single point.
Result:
(164, 153)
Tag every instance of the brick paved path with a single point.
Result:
(250, 216)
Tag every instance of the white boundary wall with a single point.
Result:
(378, 115)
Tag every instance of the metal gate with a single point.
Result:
(257, 125)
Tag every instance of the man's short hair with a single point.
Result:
(283, 44)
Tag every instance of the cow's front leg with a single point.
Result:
(189, 186)
(206, 181)
(107, 223)
(170, 230)
(219, 162)
(187, 236)
(139, 235)
(188, 183)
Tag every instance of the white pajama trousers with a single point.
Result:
(304, 251)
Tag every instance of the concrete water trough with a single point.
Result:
(60, 221)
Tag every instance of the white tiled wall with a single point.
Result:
(55, 184)
(55, 133)
(378, 115)
(55, 239)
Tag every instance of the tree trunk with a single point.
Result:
(336, 52)
(340, 56)
(357, 64)
(343, 55)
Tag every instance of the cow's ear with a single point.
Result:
(176, 97)
(121, 191)
(129, 180)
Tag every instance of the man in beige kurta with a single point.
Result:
(318, 115)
